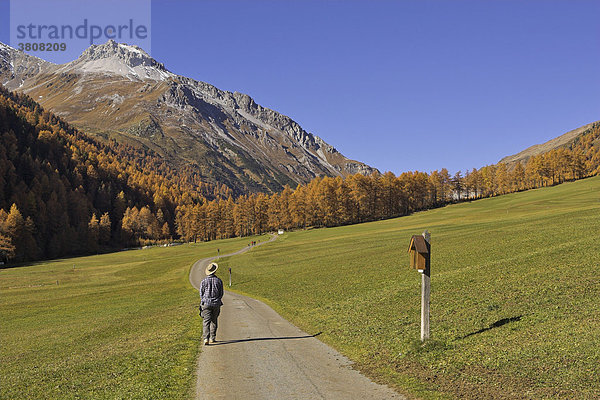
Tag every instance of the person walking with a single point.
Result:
(211, 293)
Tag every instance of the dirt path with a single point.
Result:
(260, 355)
(197, 270)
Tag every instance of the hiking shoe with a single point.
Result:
(206, 341)
(213, 340)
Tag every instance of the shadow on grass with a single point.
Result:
(263, 338)
(496, 324)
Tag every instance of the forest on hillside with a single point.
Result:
(329, 202)
(64, 193)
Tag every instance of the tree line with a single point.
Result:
(328, 202)
(65, 193)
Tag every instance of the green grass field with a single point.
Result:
(118, 326)
(515, 309)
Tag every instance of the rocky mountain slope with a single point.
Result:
(561, 141)
(118, 91)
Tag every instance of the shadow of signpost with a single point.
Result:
(264, 338)
(496, 324)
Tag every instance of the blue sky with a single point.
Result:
(400, 85)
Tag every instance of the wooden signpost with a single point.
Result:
(420, 259)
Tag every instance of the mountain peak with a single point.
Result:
(230, 138)
(120, 59)
(112, 48)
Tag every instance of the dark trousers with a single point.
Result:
(209, 325)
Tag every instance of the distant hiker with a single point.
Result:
(211, 293)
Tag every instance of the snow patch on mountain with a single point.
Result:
(116, 66)
(133, 49)
(112, 58)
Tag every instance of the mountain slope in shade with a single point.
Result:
(119, 91)
(560, 141)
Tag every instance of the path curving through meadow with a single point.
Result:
(260, 355)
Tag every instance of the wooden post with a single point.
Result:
(426, 291)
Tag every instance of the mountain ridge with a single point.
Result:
(117, 90)
(560, 141)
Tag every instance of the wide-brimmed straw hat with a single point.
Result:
(211, 269)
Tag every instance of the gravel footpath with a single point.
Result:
(260, 355)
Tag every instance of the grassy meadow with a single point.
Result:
(515, 309)
(117, 326)
(514, 305)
